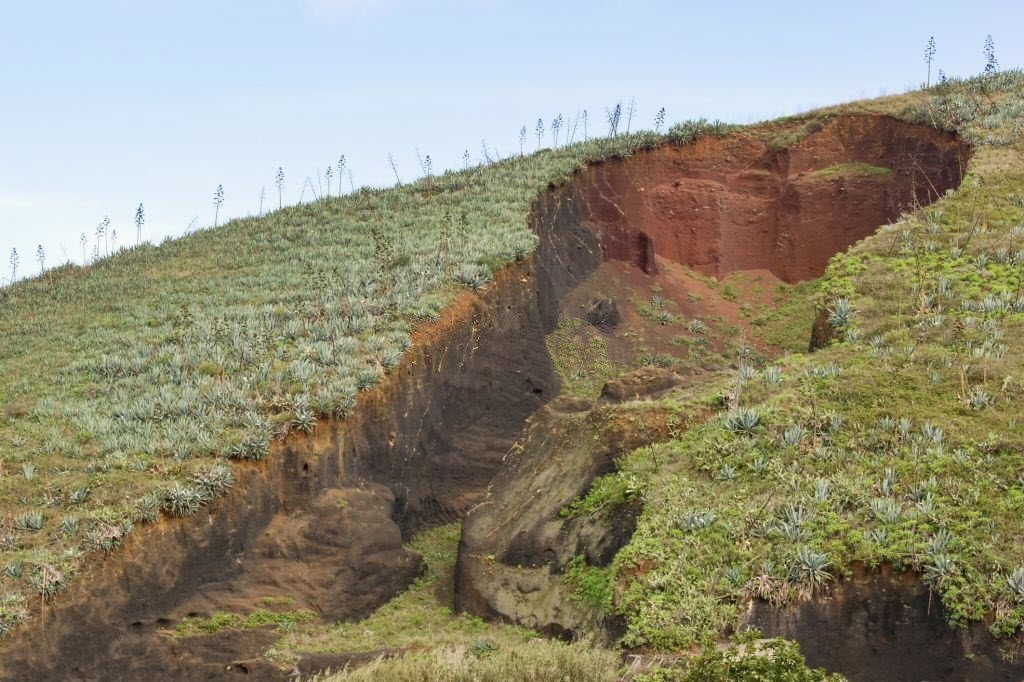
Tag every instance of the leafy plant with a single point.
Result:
(743, 421)
(840, 313)
(184, 500)
(29, 522)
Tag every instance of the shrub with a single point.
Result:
(184, 500)
(29, 522)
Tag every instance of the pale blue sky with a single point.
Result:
(111, 102)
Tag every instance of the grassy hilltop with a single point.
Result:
(128, 388)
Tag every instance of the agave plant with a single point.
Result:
(474, 277)
(253, 446)
(148, 507)
(939, 542)
(932, 433)
(733, 575)
(69, 526)
(792, 435)
(840, 313)
(772, 376)
(810, 570)
(303, 419)
(1015, 584)
(213, 481)
(746, 374)
(12, 613)
(888, 482)
(743, 421)
(979, 398)
(886, 423)
(697, 520)
(727, 472)
(926, 505)
(821, 490)
(789, 530)
(886, 510)
(939, 568)
(47, 580)
(797, 515)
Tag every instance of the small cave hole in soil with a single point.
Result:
(725, 204)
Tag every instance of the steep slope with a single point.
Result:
(380, 389)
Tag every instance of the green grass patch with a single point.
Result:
(581, 359)
(281, 620)
(855, 169)
(421, 616)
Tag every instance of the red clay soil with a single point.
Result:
(688, 295)
(736, 203)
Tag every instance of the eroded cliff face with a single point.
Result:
(732, 203)
(884, 624)
(322, 521)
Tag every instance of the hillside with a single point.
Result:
(194, 414)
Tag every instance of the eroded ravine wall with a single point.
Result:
(732, 203)
(417, 451)
(885, 624)
(426, 442)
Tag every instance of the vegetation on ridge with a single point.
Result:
(899, 444)
(129, 384)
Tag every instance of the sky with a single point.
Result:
(109, 103)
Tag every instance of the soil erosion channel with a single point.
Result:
(322, 522)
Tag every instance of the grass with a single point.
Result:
(282, 620)
(748, 660)
(786, 324)
(419, 617)
(845, 170)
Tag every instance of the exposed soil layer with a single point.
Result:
(736, 203)
(885, 625)
(322, 522)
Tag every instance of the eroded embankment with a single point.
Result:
(518, 546)
(322, 521)
(732, 203)
(887, 625)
